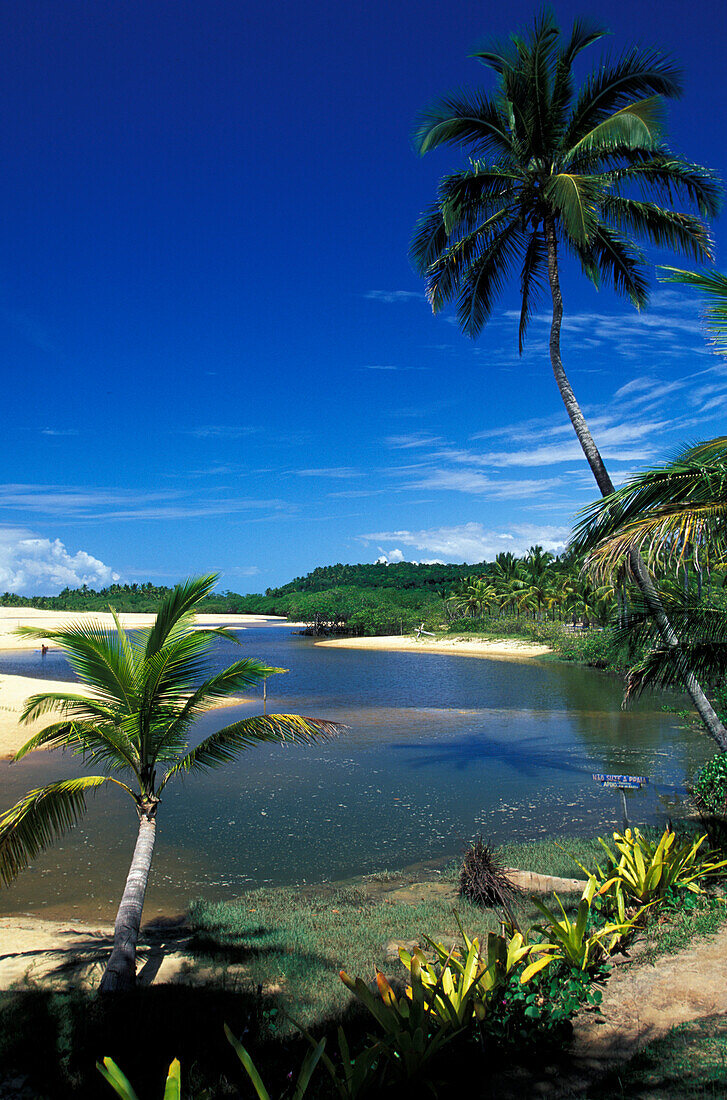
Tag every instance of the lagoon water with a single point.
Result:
(438, 749)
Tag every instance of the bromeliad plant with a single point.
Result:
(411, 1036)
(572, 941)
(134, 717)
(461, 983)
(645, 871)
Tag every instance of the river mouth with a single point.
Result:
(437, 749)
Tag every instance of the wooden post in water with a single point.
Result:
(265, 697)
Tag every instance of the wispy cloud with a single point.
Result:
(473, 481)
(390, 296)
(412, 440)
(223, 431)
(331, 471)
(64, 503)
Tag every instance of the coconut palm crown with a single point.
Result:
(552, 170)
(556, 170)
(133, 720)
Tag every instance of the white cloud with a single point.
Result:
(471, 542)
(38, 566)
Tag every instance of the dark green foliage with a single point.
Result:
(710, 786)
(483, 879)
(545, 1005)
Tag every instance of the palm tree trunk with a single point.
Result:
(120, 973)
(641, 575)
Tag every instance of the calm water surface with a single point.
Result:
(438, 748)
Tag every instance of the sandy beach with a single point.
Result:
(14, 690)
(501, 649)
(13, 617)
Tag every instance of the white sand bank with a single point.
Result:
(501, 649)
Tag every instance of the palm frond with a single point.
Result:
(577, 200)
(713, 286)
(237, 677)
(671, 179)
(225, 745)
(621, 263)
(467, 118)
(429, 239)
(636, 75)
(43, 815)
(99, 742)
(96, 656)
(179, 604)
(664, 228)
(448, 274)
(668, 513)
(486, 276)
(531, 281)
(466, 198)
(638, 125)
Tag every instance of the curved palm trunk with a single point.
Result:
(120, 973)
(638, 569)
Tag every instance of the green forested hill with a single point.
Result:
(358, 598)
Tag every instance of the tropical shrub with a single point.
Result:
(710, 786)
(461, 984)
(412, 1033)
(645, 871)
(573, 941)
(545, 1005)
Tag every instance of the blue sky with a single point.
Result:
(216, 353)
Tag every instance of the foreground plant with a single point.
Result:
(573, 942)
(145, 690)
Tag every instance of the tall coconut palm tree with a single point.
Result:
(144, 692)
(552, 171)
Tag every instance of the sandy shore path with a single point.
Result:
(501, 649)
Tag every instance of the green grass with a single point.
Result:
(704, 917)
(689, 1063)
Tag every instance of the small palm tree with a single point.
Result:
(145, 691)
(554, 171)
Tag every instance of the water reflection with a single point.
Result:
(438, 748)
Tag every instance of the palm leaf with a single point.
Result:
(620, 262)
(428, 240)
(636, 75)
(664, 228)
(448, 274)
(531, 276)
(577, 200)
(96, 656)
(225, 745)
(178, 605)
(464, 117)
(638, 125)
(237, 677)
(43, 815)
(486, 276)
(672, 179)
(713, 286)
